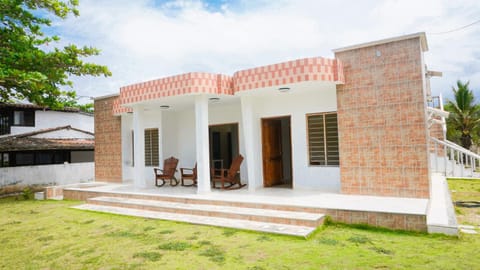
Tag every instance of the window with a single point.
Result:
(4, 160)
(323, 139)
(4, 123)
(44, 158)
(151, 147)
(24, 118)
(23, 159)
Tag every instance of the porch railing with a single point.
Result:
(452, 159)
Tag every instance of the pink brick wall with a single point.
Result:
(301, 70)
(108, 143)
(381, 121)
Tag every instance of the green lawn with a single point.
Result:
(466, 190)
(50, 235)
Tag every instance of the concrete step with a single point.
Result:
(294, 230)
(223, 211)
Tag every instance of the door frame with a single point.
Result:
(279, 117)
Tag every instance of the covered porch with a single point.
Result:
(208, 119)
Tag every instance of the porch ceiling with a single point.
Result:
(180, 103)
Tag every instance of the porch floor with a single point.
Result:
(275, 196)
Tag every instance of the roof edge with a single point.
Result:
(421, 35)
(105, 96)
(46, 130)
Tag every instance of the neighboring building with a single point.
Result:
(22, 118)
(42, 146)
(355, 124)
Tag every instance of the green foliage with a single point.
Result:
(151, 256)
(31, 67)
(328, 241)
(464, 119)
(214, 253)
(359, 239)
(175, 245)
(27, 193)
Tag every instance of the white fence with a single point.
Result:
(58, 174)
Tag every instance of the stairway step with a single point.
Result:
(256, 214)
(294, 230)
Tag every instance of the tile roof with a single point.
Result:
(25, 142)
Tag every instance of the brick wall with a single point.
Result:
(382, 122)
(108, 144)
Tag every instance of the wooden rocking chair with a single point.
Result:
(168, 172)
(229, 176)
(189, 176)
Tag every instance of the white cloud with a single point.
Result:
(142, 40)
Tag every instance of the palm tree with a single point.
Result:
(463, 122)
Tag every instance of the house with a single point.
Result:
(355, 124)
(22, 118)
(40, 146)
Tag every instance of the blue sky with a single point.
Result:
(146, 39)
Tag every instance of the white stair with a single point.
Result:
(294, 223)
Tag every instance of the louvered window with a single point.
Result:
(323, 139)
(151, 147)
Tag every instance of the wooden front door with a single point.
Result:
(272, 152)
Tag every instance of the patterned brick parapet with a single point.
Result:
(108, 144)
(308, 69)
(118, 109)
(189, 83)
(302, 70)
(382, 120)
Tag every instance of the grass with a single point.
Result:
(51, 235)
(466, 190)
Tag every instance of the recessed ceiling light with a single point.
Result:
(284, 89)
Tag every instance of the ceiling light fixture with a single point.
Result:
(284, 89)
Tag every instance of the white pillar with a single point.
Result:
(249, 138)
(159, 125)
(202, 144)
(139, 147)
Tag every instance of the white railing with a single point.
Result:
(454, 160)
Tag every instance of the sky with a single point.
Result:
(144, 39)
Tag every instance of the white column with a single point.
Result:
(249, 138)
(202, 144)
(139, 147)
(160, 137)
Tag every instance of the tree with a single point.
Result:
(29, 68)
(464, 119)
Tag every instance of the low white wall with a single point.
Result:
(58, 174)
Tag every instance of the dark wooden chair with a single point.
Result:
(189, 174)
(229, 177)
(168, 172)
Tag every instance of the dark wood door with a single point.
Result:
(272, 152)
